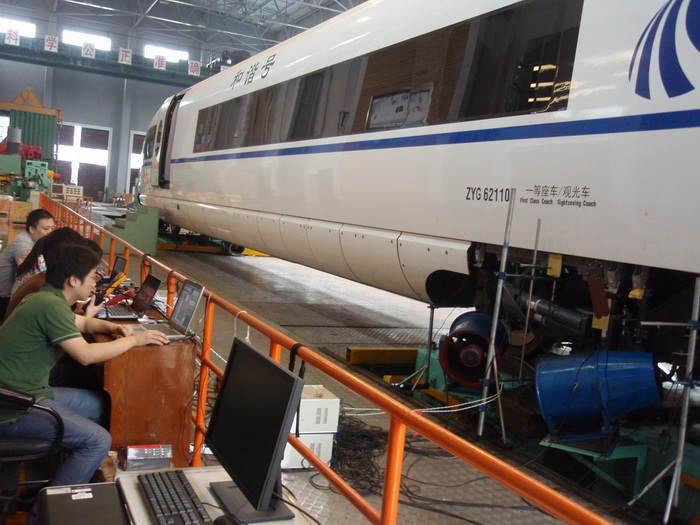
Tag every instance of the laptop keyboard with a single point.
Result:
(164, 328)
(118, 310)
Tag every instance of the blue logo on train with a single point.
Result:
(663, 32)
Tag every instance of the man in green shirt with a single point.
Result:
(34, 338)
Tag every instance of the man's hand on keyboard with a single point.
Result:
(151, 337)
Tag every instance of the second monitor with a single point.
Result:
(248, 431)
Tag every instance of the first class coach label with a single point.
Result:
(540, 195)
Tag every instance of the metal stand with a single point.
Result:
(690, 362)
(491, 365)
(677, 463)
(529, 299)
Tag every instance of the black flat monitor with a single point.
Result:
(248, 431)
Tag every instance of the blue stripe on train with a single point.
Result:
(629, 124)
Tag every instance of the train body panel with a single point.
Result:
(607, 160)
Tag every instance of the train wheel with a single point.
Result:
(235, 249)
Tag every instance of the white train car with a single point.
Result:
(384, 146)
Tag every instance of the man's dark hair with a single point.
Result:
(94, 247)
(61, 236)
(35, 216)
(69, 260)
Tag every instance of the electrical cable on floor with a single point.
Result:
(355, 454)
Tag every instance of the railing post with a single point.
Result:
(145, 265)
(170, 292)
(203, 382)
(275, 350)
(392, 478)
(112, 244)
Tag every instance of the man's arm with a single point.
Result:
(91, 325)
(90, 353)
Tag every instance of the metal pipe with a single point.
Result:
(529, 295)
(672, 501)
(491, 357)
(430, 344)
(392, 476)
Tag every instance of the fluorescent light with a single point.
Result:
(25, 28)
(76, 38)
(171, 55)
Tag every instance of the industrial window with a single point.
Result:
(86, 151)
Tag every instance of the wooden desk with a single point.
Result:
(151, 389)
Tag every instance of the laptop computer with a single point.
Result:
(118, 267)
(183, 313)
(93, 504)
(140, 304)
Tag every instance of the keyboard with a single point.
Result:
(120, 310)
(162, 328)
(172, 499)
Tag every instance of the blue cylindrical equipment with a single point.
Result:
(591, 390)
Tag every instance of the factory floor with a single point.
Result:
(329, 314)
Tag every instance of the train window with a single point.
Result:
(309, 106)
(263, 117)
(159, 138)
(220, 126)
(512, 61)
(148, 143)
(530, 70)
(388, 71)
(389, 110)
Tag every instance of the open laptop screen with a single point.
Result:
(187, 303)
(147, 292)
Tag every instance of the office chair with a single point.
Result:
(16, 450)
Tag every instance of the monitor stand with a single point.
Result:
(236, 504)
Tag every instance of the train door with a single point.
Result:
(165, 153)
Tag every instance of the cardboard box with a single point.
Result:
(144, 457)
(19, 211)
(5, 201)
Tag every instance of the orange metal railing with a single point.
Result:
(401, 417)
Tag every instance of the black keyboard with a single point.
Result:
(172, 499)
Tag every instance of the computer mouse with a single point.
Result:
(226, 520)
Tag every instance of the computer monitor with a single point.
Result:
(248, 431)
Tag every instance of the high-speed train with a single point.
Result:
(389, 144)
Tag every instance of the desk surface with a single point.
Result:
(199, 478)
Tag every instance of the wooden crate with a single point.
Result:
(19, 211)
(5, 201)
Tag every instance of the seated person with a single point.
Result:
(39, 223)
(34, 338)
(31, 275)
(34, 262)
